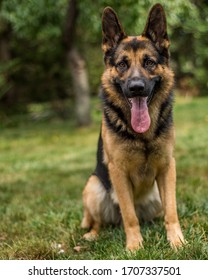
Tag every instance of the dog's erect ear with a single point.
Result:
(112, 30)
(156, 29)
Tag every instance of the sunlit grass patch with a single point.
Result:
(44, 167)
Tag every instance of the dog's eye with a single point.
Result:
(149, 63)
(122, 66)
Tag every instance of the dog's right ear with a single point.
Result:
(112, 30)
(156, 29)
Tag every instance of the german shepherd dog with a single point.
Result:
(135, 176)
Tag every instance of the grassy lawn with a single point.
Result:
(43, 169)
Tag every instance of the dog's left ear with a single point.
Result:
(156, 29)
(112, 30)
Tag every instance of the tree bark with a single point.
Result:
(80, 86)
(77, 67)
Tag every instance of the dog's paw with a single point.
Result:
(134, 244)
(175, 237)
(90, 236)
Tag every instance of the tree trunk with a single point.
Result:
(77, 67)
(80, 86)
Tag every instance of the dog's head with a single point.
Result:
(137, 67)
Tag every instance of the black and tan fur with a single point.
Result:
(135, 176)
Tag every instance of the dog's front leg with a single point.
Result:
(123, 189)
(167, 186)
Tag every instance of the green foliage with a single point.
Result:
(36, 43)
(36, 40)
(35, 20)
(133, 14)
(44, 167)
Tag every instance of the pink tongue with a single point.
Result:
(140, 119)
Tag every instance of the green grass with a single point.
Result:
(44, 167)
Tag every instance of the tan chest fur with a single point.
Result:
(137, 161)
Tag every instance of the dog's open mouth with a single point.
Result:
(140, 119)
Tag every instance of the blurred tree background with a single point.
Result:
(47, 46)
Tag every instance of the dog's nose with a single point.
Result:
(136, 86)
